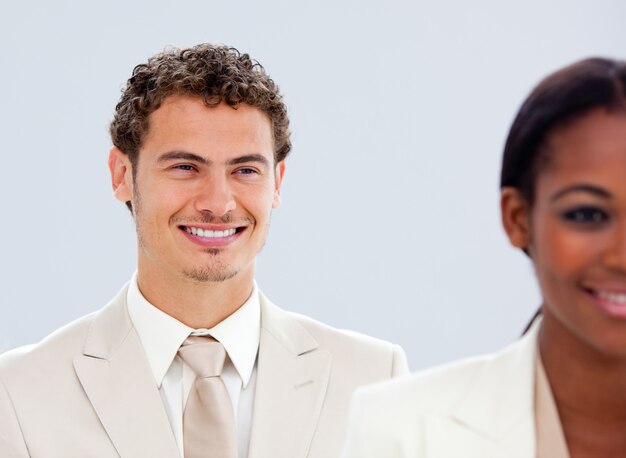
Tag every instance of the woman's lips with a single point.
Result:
(611, 301)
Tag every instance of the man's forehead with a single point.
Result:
(187, 124)
(190, 103)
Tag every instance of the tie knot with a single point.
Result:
(204, 355)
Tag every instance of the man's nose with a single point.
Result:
(215, 196)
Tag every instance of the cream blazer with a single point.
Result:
(477, 408)
(87, 390)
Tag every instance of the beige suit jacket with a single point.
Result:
(477, 408)
(87, 390)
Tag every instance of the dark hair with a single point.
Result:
(562, 97)
(214, 73)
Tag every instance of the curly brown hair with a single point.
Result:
(216, 73)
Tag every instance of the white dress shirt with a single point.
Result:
(162, 335)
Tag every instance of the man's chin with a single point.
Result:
(212, 251)
(210, 274)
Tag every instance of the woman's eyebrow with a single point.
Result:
(588, 188)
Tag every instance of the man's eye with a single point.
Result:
(246, 171)
(185, 167)
(587, 215)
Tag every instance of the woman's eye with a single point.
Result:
(586, 215)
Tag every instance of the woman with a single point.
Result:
(560, 391)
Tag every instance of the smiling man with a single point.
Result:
(190, 358)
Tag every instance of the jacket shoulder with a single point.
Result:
(325, 333)
(434, 389)
(440, 389)
(57, 351)
(387, 418)
(424, 409)
(374, 359)
(62, 344)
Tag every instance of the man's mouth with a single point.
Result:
(210, 234)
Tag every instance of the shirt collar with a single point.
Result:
(162, 335)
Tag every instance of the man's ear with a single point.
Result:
(278, 173)
(121, 175)
(515, 214)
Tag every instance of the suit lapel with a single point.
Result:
(116, 377)
(291, 386)
(449, 438)
(495, 418)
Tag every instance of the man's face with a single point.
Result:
(203, 190)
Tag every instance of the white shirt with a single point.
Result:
(162, 335)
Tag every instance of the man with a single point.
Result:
(200, 138)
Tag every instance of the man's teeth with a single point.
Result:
(620, 298)
(210, 234)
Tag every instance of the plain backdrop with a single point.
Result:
(399, 110)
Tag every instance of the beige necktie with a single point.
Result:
(208, 421)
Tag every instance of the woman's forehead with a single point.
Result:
(595, 140)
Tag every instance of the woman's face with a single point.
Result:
(575, 231)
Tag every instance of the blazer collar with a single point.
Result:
(117, 380)
(293, 374)
(285, 328)
(495, 416)
(502, 393)
(109, 328)
(292, 380)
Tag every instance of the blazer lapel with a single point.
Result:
(116, 377)
(291, 386)
(449, 438)
(496, 416)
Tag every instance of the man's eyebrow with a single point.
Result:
(249, 158)
(588, 188)
(174, 155)
(187, 156)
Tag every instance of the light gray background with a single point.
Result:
(399, 110)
